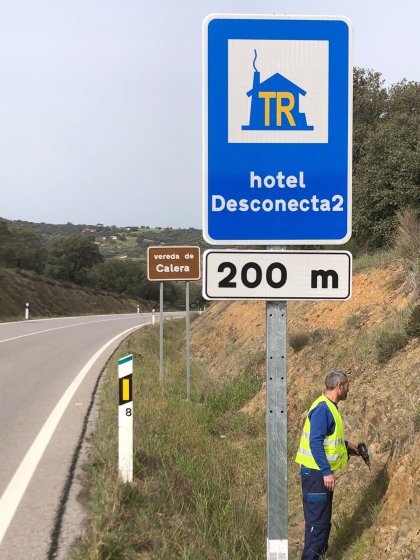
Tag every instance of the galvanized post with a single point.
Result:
(187, 335)
(276, 421)
(161, 333)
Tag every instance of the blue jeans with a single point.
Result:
(317, 510)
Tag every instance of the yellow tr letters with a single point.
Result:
(286, 109)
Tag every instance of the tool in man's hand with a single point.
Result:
(363, 450)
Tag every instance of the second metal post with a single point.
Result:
(161, 333)
(187, 336)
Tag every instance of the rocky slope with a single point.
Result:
(375, 513)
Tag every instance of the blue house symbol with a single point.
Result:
(275, 104)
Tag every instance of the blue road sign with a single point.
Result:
(277, 129)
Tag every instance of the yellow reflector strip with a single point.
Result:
(125, 389)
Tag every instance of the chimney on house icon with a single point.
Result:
(255, 87)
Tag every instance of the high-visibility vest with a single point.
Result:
(334, 445)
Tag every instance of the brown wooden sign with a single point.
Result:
(173, 263)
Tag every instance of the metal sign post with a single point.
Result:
(187, 336)
(161, 333)
(276, 421)
(276, 425)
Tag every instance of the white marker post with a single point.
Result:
(27, 311)
(125, 418)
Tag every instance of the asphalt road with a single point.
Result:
(48, 372)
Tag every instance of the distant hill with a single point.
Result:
(114, 241)
(25, 249)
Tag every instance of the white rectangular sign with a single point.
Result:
(277, 275)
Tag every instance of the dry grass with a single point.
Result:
(407, 245)
(407, 239)
(195, 492)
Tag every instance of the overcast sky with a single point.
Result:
(100, 100)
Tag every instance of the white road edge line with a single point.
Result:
(56, 329)
(39, 320)
(16, 488)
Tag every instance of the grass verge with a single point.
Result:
(198, 466)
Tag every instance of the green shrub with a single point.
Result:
(413, 324)
(298, 340)
(417, 420)
(389, 343)
(407, 245)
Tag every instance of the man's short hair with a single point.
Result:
(334, 378)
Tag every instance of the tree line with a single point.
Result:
(386, 156)
(77, 259)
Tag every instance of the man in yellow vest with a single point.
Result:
(322, 450)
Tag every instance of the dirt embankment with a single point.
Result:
(376, 513)
(49, 298)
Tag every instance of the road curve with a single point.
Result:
(48, 371)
